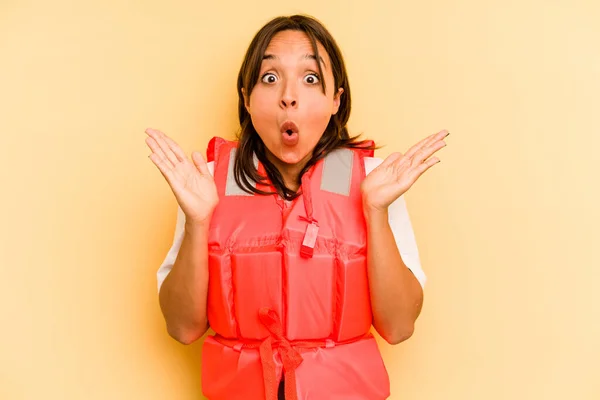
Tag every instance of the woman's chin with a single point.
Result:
(291, 158)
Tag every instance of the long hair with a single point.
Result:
(336, 134)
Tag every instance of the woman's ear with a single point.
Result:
(337, 98)
(246, 100)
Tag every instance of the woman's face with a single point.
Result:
(287, 106)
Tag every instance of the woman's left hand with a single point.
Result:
(397, 173)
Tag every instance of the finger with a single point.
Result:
(425, 166)
(156, 149)
(428, 141)
(179, 153)
(160, 139)
(425, 142)
(427, 152)
(200, 163)
(162, 165)
(417, 146)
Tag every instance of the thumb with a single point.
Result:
(200, 163)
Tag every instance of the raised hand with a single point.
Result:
(398, 172)
(190, 181)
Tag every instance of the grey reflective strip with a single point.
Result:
(337, 172)
(232, 188)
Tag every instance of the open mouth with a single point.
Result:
(289, 128)
(289, 133)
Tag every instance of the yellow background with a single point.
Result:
(507, 224)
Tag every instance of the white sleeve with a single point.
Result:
(169, 260)
(404, 236)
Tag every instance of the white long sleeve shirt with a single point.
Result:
(399, 221)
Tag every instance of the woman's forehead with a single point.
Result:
(294, 43)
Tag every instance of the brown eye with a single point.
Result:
(269, 78)
(311, 79)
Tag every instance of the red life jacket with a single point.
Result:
(288, 292)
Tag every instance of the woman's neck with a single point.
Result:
(289, 172)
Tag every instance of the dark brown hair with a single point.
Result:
(335, 135)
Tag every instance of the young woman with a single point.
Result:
(292, 241)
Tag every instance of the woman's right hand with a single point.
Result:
(190, 181)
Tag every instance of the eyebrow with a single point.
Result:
(306, 57)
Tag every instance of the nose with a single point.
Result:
(289, 97)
